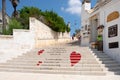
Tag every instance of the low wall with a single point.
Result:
(22, 41)
(10, 46)
(24, 38)
(44, 36)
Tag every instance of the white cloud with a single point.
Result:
(74, 7)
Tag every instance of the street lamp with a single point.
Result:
(14, 4)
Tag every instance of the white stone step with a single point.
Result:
(117, 68)
(61, 52)
(102, 56)
(54, 53)
(108, 62)
(53, 68)
(56, 56)
(97, 52)
(35, 63)
(111, 65)
(104, 59)
(117, 72)
(55, 71)
(53, 61)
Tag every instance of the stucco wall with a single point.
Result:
(24, 38)
(85, 21)
(115, 52)
(12, 46)
(104, 11)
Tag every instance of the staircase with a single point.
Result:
(56, 60)
(110, 66)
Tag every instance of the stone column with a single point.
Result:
(94, 23)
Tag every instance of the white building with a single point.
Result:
(106, 13)
(86, 6)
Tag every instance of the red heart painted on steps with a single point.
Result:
(40, 52)
(39, 62)
(75, 58)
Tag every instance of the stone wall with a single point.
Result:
(21, 41)
(44, 36)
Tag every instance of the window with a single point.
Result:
(0, 20)
(88, 27)
(113, 31)
(85, 27)
(113, 45)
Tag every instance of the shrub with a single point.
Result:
(13, 24)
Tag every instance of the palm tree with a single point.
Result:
(3, 15)
(14, 4)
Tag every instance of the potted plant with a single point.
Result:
(99, 38)
(100, 42)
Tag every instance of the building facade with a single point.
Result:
(105, 16)
(85, 29)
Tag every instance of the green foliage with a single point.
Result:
(68, 29)
(53, 20)
(99, 38)
(27, 12)
(13, 24)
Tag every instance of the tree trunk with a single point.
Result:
(3, 15)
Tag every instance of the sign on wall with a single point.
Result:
(113, 31)
(114, 45)
(112, 16)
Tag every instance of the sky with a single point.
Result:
(70, 10)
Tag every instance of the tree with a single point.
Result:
(27, 12)
(68, 29)
(3, 14)
(55, 21)
(14, 4)
(52, 19)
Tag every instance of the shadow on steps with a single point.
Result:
(108, 62)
